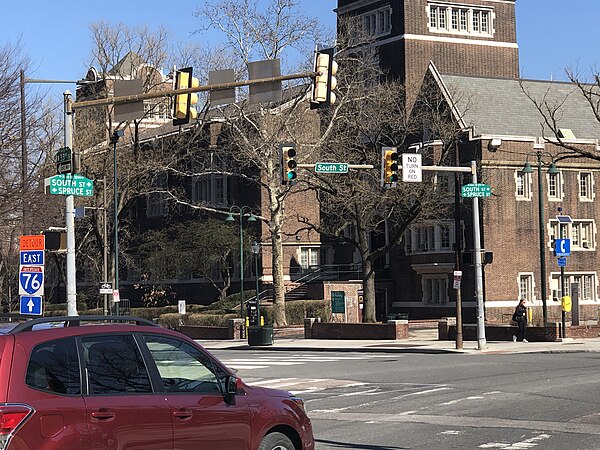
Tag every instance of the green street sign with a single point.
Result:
(476, 190)
(323, 167)
(69, 185)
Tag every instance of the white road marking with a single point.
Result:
(458, 400)
(262, 361)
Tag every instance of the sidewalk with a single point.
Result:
(420, 341)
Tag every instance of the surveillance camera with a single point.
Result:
(494, 144)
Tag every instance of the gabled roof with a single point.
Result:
(499, 107)
(127, 66)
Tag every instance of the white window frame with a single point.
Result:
(210, 189)
(435, 288)
(588, 285)
(526, 286)
(581, 232)
(156, 202)
(460, 19)
(555, 186)
(309, 257)
(523, 190)
(585, 183)
(430, 238)
(378, 22)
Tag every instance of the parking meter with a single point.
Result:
(252, 312)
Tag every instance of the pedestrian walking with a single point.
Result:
(520, 317)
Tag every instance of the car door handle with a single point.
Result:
(183, 413)
(103, 414)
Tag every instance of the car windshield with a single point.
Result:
(6, 327)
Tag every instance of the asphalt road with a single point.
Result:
(414, 401)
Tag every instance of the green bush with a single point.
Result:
(296, 311)
(173, 320)
(210, 320)
(153, 312)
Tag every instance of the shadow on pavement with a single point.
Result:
(337, 444)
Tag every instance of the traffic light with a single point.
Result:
(389, 166)
(325, 81)
(56, 240)
(287, 161)
(184, 103)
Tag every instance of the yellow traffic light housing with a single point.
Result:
(287, 161)
(184, 109)
(325, 80)
(389, 166)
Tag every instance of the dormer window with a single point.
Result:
(460, 19)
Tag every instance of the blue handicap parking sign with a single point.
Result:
(31, 305)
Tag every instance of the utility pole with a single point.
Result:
(24, 156)
(457, 248)
(70, 215)
(481, 342)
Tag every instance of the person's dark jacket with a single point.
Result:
(521, 313)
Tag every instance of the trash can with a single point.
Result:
(258, 335)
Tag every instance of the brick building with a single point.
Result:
(214, 190)
(468, 50)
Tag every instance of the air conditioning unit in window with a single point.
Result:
(423, 246)
(585, 244)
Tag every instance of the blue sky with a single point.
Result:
(55, 33)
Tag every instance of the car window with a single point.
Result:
(54, 367)
(182, 367)
(114, 365)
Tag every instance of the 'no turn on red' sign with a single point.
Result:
(411, 168)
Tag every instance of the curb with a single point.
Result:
(412, 350)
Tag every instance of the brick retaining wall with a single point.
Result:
(393, 329)
(549, 333)
(234, 330)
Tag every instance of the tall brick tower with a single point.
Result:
(466, 37)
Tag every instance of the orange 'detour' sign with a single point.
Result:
(35, 242)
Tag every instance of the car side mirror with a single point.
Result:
(232, 387)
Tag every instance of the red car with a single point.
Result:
(125, 383)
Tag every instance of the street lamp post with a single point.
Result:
(255, 251)
(552, 170)
(114, 140)
(240, 210)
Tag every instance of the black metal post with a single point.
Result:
(542, 238)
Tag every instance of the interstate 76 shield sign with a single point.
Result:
(31, 281)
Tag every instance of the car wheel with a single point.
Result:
(276, 441)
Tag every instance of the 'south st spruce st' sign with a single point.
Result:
(69, 184)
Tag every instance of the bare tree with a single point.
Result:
(253, 134)
(371, 113)
(20, 189)
(555, 105)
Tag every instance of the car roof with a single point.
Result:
(75, 321)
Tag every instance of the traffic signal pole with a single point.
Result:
(191, 90)
(70, 216)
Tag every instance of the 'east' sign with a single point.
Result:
(32, 258)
